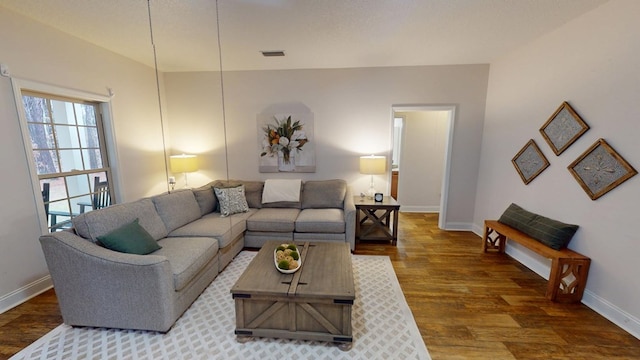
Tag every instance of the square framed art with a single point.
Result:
(600, 169)
(529, 162)
(563, 128)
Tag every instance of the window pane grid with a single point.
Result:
(67, 145)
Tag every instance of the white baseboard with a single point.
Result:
(613, 313)
(478, 230)
(17, 297)
(458, 226)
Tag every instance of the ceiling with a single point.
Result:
(313, 33)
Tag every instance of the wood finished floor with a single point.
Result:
(467, 305)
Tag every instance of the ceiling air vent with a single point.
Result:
(272, 53)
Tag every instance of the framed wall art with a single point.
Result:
(600, 169)
(563, 128)
(286, 143)
(530, 162)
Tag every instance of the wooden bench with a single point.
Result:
(569, 269)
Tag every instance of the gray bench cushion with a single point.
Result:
(320, 221)
(187, 257)
(553, 233)
(96, 223)
(275, 220)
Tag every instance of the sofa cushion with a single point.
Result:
(252, 190)
(95, 223)
(324, 194)
(187, 257)
(224, 229)
(320, 221)
(273, 220)
(130, 238)
(231, 200)
(553, 233)
(206, 199)
(177, 208)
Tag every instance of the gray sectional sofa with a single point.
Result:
(100, 287)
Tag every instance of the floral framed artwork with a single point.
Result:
(600, 169)
(286, 143)
(563, 128)
(530, 162)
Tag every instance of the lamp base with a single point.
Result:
(371, 193)
(372, 190)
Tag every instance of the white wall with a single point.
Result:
(353, 116)
(196, 126)
(593, 63)
(422, 160)
(39, 53)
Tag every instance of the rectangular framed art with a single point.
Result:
(563, 128)
(600, 169)
(529, 162)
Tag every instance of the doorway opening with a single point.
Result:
(421, 151)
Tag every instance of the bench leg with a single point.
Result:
(567, 280)
(493, 240)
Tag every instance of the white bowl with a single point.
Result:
(275, 262)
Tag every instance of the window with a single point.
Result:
(69, 153)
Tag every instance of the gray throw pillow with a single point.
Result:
(206, 199)
(252, 190)
(323, 194)
(231, 200)
(553, 233)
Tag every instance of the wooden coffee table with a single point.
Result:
(313, 303)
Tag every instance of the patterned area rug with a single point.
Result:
(383, 327)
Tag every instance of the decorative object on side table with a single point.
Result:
(378, 197)
(563, 128)
(530, 162)
(282, 141)
(600, 169)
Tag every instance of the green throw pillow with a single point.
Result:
(130, 238)
(553, 233)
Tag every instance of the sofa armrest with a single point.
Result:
(96, 286)
(350, 218)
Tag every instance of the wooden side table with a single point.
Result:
(373, 226)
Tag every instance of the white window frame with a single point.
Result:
(104, 101)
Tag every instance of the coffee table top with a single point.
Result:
(326, 272)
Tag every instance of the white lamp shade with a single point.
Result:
(183, 163)
(371, 165)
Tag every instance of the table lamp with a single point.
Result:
(184, 164)
(373, 165)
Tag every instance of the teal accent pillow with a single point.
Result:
(553, 233)
(130, 238)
